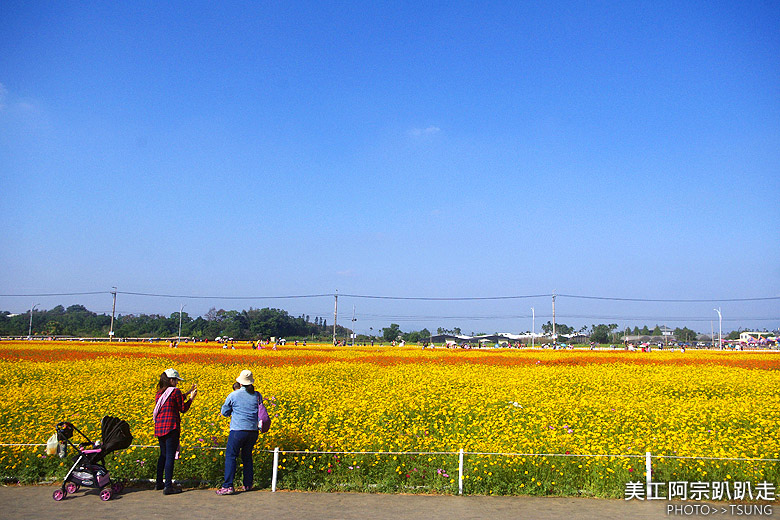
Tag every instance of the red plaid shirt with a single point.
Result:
(168, 418)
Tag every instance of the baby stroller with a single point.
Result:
(89, 468)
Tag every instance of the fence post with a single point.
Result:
(276, 466)
(648, 470)
(460, 472)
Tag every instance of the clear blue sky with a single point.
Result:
(618, 149)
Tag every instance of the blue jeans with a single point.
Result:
(169, 443)
(240, 441)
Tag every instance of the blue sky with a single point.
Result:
(616, 149)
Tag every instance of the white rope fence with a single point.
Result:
(461, 453)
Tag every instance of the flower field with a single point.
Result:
(500, 406)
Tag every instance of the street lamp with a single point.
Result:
(180, 311)
(720, 327)
(29, 330)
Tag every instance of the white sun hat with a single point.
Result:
(246, 378)
(173, 374)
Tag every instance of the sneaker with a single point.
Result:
(225, 491)
(245, 488)
(173, 490)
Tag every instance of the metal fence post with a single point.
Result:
(648, 470)
(460, 472)
(276, 466)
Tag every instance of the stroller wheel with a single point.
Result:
(71, 487)
(59, 494)
(105, 494)
(117, 487)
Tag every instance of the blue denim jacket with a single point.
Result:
(241, 407)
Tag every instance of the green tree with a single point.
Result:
(560, 328)
(392, 332)
(685, 334)
(600, 333)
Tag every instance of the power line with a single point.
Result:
(52, 294)
(681, 300)
(400, 317)
(425, 298)
(407, 298)
(191, 297)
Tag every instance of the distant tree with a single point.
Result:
(685, 334)
(600, 333)
(560, 328)
(53, 328)
(392, 332)
(417, 336)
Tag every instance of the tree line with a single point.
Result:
(254, 324)
(604, 333)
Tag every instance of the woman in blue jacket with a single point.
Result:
(242, 407)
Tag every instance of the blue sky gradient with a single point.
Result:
(401, 149)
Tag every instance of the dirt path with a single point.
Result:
(35, 502)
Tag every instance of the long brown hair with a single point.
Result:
(164, 383)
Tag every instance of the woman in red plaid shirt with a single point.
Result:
(170, 403)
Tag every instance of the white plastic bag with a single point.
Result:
(51, 445)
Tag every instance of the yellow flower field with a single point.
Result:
(520, 402)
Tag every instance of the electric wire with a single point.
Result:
(406, 298)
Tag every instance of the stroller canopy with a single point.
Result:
(115, 434)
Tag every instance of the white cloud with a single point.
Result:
(423, 132)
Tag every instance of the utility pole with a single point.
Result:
(180, 311)
(113, 311)
(335, 315)
(353, 325)
(555, 335)
(533, 326)
(712, 335)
